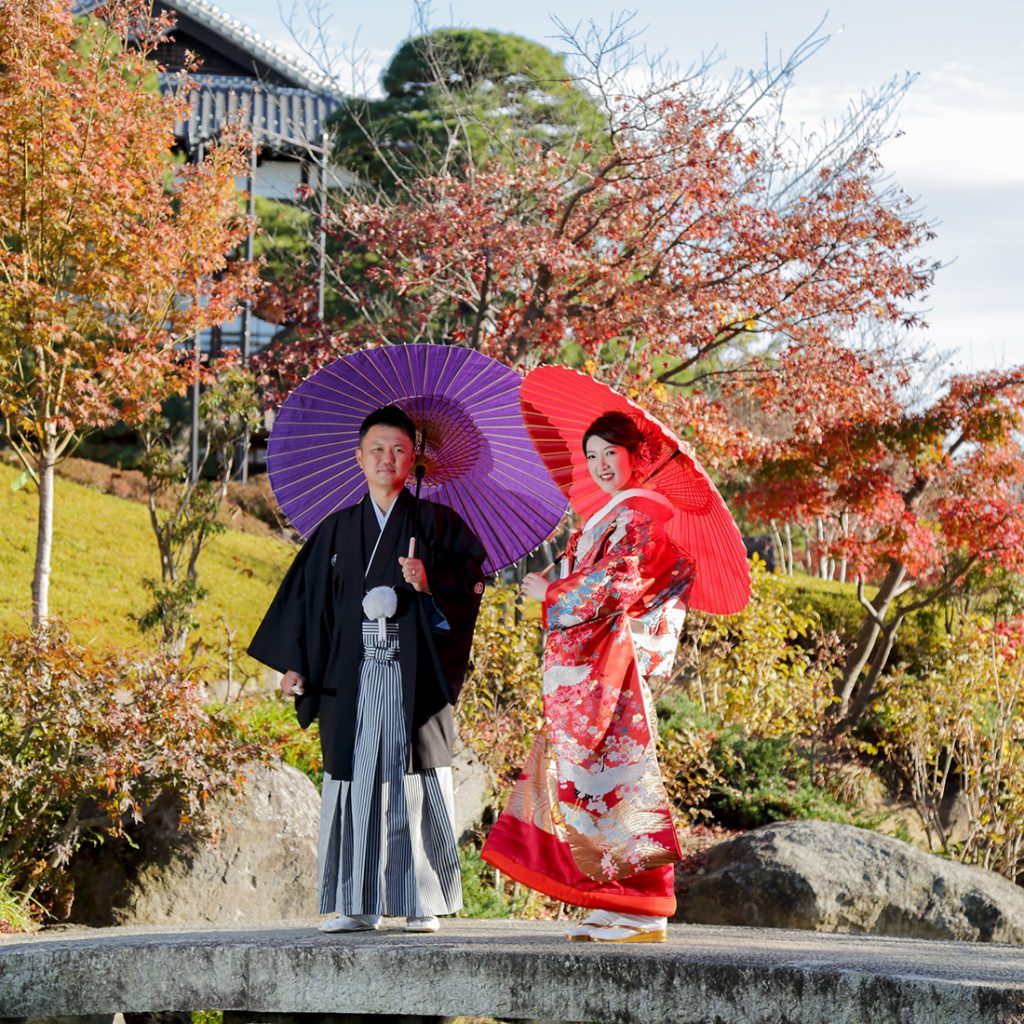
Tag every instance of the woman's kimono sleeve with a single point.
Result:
(625, 573)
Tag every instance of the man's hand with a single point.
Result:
(293, 684)
(534, 585)
(415, 574)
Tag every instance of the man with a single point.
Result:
(383, 691)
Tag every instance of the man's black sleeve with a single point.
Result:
(456, 581)
(283, 638)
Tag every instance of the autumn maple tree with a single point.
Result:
(111, 253)
(183, 506)
(454, 100)
(924, 495)
(696, 222)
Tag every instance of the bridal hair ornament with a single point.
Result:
(380, 603)
(644, 458)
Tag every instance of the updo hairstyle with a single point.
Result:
(616, 428)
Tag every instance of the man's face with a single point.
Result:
(385, 456)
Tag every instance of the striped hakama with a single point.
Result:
(387, 839)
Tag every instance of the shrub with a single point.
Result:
(485, 895)
(718, 772)
(500, 710)
(765, 780)
(768, 669)
(961, 722)
(17, 913)
(833, 604)
(743, 736)
(686, 735)
(269, 720)
(480, 897)
(88, 743)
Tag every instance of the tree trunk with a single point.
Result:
(865, 691)
(780, 552)
(175, 642)
(44, 537)
(867, 636)
(808, 549)
(845, 522)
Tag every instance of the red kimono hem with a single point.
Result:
(624, 903)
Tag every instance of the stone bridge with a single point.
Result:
(511, 970)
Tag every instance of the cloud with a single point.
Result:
(962, 145)
(976, 340)
(956, 127)
(958, 79)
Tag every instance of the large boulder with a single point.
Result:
(825, 877)
(474, 791)
(260, 865)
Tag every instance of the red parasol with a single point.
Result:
(559, 405)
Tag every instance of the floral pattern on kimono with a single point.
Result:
(592, 781)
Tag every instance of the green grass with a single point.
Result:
(102, 548)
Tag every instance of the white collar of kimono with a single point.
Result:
(617, 499)
(382, 519)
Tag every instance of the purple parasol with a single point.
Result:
(478, 457)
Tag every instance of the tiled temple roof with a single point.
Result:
(282, 99)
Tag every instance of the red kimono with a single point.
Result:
(589, 820)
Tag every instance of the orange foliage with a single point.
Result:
(686, 232)
(110, 254)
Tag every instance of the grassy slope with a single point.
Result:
(103, 547)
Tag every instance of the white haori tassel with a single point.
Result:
(380, 603)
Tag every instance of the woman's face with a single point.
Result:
(609, 464)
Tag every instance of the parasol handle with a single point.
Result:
(420, 470)
(657, 469)
(547, 568)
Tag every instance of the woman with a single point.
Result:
(589, 820)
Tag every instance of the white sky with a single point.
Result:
(961, 154)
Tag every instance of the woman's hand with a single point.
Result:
(293, 684)
(534, 585)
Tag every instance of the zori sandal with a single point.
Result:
(627, 933)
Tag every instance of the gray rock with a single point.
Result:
(825, 877)
(956, 817)
(261, 865)
(474, 790)
(91, 1018)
